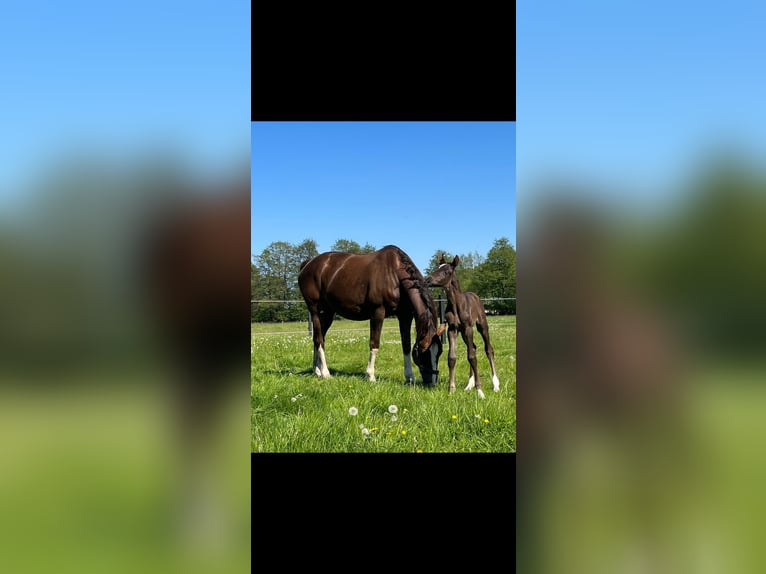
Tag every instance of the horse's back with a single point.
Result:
(472, 311)
(352, 283)
(477, 307)
(317, 275)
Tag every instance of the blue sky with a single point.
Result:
(625, 92)
(420, 185)
(124, 79)
(636, 93)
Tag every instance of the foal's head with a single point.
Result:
(442, 276)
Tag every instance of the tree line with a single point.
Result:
(274, 276)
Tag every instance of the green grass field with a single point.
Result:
(294, 411)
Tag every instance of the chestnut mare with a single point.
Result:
(373, 286)
(464, 311)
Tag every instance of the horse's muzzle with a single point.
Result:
(428, 361)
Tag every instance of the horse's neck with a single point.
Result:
(412, 287)
(412, 291)
(454, 296)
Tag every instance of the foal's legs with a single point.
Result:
(474, 380)
(321, 321)
(452, 357)
(376, 326)
(483, 328)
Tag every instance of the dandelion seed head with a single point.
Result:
(353, 411)
(365, 431)
(394, 418)
(393, 409)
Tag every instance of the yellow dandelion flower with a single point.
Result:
(486, 421)
(454, 417)
(373, 429)
(404, 433)
(419, 450)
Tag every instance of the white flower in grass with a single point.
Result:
(394, 418)
(361, 425)
(294, 399)
(365, 431)
(353, 411)
(393, 409)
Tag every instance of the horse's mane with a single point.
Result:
(420, 283)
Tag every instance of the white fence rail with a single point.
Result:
(440, 302)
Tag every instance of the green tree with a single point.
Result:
(275, 277)
(351, 246)
(306, 249)
(255, 285)
(465, 271)
(496, 276)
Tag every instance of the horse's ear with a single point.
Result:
(441, 328)
(456, 260)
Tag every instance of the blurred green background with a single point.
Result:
(641, 279)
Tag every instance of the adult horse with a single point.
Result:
(464, 312)
(373, 286)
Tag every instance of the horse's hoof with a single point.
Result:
(409, 381)
(471, 384)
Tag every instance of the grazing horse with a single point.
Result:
(464, 311)
(373, 286)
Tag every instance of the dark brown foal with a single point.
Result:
(464, 311)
